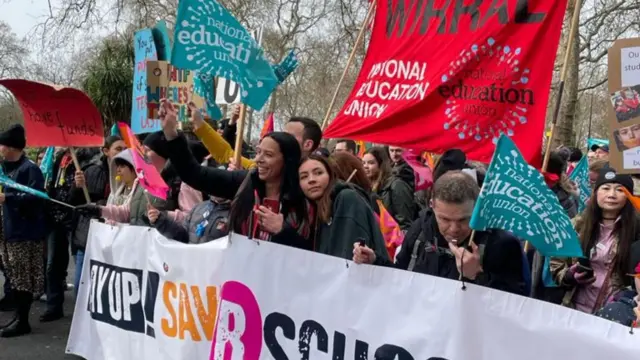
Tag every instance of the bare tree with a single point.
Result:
(12, 53)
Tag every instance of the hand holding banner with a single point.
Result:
(56, 116)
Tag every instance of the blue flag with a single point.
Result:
(144, 50)
(208, 39)
(286, 67)
(516, 198)
(203, 86)
(6, 181)
(580, 176)
(46, 166)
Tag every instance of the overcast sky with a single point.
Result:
(23, 15)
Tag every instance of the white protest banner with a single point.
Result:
(227, 91)
(145, 297)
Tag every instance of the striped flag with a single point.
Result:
(267, 127)
(393, 235)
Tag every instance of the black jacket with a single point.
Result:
(96, 173)
(352, 220)
(502, 259)
(568, 201)
(229, 134)
(397, 197)
(22, 214)
(223, 184)
(404, 171)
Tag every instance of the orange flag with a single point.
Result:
(635, 201)
(267, 127)
(393, 235)
(362, 148)
(428, 159)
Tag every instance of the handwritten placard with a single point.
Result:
(145, 50)
(176, 85)
(56, 116)
(630, 66)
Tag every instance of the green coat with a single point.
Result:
(352, 220)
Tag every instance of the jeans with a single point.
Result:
(79, 262)
(57, 263)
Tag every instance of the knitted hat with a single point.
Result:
(156, 142)
(14, 137)
(609, 176)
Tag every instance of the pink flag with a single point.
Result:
(393, 236)
(148, 176)
(423, 174)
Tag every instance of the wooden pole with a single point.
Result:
(76, 163)
(361, 33)
(563, 76)
(237, 156)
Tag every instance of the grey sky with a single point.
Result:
(23, 15)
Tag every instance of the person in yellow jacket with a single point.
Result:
(305, 130)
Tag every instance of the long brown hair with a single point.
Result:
(345, 165)
(588, 227)
(324, 205)
(384, 165)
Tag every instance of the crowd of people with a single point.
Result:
(293, 191)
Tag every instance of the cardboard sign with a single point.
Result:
(624, 112)
(176, 85)
(56, 116)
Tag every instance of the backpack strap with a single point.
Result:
(414, 254)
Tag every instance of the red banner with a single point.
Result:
(56, 116)
(442, 74)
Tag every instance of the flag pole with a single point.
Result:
(563, 76)
(365, 23)
(76, 163)
(237, 156)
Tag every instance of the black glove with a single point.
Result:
(89, 210)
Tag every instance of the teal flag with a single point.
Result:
(286, 67)
(599, 142)
(161, 40)
(5, 181)
(46, 166)
(516, 198)
(580, 176)
(208, 39)
(203, 86)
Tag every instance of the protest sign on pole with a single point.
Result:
(56, 116)
(209, 39)
(458, 79)
(165, 81)
(515, 198)
(624, 112)
(157, 299)
(144, 50)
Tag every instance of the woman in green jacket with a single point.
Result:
(342, 216)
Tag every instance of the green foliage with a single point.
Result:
(109, 79)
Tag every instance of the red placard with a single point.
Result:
(56, 116)
(455, 74)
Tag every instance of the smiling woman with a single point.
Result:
(343, 215)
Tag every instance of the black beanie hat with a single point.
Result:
(156, 142)
(14, 137)
(609, 176)
(454, 159)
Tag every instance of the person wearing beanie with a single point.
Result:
(606, 229)
(23, 230)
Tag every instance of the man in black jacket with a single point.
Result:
(438, 243)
